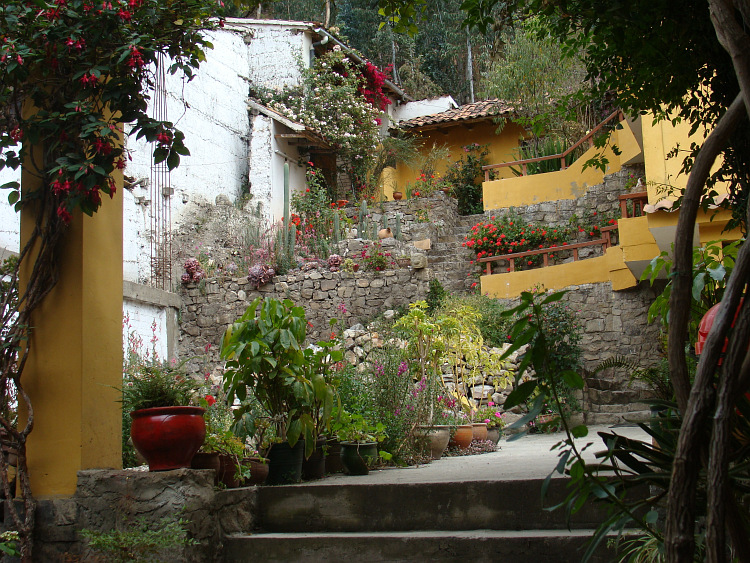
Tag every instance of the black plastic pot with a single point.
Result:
(314, 467)
(358, 457)
(285, 463)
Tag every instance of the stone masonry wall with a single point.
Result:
(208, 310)
(112, 499)
(613, 324)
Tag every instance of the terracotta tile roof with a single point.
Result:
(477, 111)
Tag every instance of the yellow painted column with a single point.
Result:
(75, 360)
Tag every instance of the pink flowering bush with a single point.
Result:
(491, 414)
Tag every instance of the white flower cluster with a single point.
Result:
(330, 102)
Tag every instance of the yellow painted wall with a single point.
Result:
(658, 140)
(570, 183)
(455, 136)
(75, 362)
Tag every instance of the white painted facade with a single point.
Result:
(231, 148)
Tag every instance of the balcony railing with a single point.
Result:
(637, 202)
(589, 137)
(605, 242)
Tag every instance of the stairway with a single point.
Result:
(493, 521)
(449, 259)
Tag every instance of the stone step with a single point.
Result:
(497, 546)
(401, 507)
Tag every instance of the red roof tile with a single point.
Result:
(469, 112)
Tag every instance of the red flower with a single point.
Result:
(211, 400)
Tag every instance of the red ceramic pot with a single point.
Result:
(168, 437)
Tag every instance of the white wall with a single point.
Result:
(149, 323)
(419, 108)
(10, 221)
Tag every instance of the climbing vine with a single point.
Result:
(73, 72)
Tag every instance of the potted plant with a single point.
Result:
(166, 429)
(266, 363)
(491, 415)
(359, 443)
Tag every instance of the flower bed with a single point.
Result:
(510, 234)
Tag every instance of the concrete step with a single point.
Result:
(497, 546)
(398, 507)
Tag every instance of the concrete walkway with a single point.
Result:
(529, 457)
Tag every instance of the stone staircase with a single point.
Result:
(449, 259)
(494, 521)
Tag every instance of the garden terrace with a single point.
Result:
(547, 253)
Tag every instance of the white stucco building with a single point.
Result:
(237, 146)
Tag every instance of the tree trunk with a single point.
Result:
(697, 403)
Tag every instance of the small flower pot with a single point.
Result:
(285, 463)
(258, 471)
(479, 431)
(314, 467)
(493, 435)
(333, 456)
(228, 471)
(207, 460)
(397, 196)
(357, 458)
(436, 439)
(462, 437)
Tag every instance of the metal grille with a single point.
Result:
(161, 192)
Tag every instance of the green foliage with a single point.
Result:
(465, 177)
(267, 364)
(140, 541)
(8, 543)
(494, 326)
(85, 72)
(355, 428)
(148, 381)
(712, 267)
(436, 295)
(533, 70)
(157, 385)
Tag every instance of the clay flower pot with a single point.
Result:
(479, 431)
(462, 437)
(397, 196)
(168, 437)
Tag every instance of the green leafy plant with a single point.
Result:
(712, 266)
(436, 295)
(465, 177)
(266, 363)
(140, 541)
(356, 428)
(8, 542)
(373, 258)
(158, 385)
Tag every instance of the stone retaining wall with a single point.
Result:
(353, 298)
(110, 499)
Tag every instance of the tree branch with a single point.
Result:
(694, 404)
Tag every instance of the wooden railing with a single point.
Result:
(639, 200)
(605, 242)
(589, 137)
